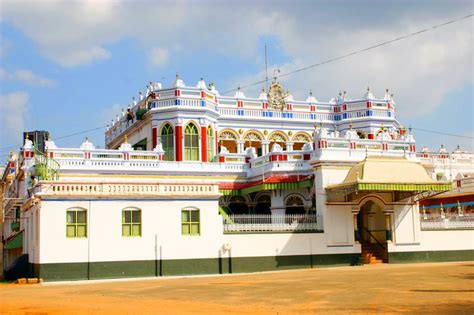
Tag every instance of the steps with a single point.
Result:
(373, 254)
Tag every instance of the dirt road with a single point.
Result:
(446, 288)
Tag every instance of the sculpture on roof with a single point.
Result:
(276, 95)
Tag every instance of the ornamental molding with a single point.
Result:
(276, 96)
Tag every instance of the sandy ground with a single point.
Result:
(446, 288)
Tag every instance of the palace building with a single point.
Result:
(194, 182)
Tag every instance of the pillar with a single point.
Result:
(355, 212)
(277, 207)
(240, 146)
(289, 145)
(388, 225)
(179, 142)
(204, 143)
(265, 147)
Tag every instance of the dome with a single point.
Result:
(178, 82)
(311, 98)
(239, 93)
(201, 84)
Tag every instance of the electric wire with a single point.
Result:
(356, 52)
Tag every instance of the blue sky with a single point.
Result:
(69, 66)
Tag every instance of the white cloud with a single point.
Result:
(26, 76)
(13, 108)
(420, 70)
(158, 56)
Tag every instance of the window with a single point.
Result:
(190, 221)
(191, 143)
(76, 223)
(167, 140)
(210, 144)
(131, 222)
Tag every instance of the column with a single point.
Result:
(355, 212)
(154, 137)
(277, 207)
(289, 145)
(179, 142)
(265, 145)
(240, 146)
(204, 143)
(388, 225)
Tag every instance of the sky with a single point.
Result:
(70, 66)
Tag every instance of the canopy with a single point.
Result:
(388, 174)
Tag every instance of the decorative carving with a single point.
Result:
(252, 136)
(301, 137)
(227, 135)
(277, 137)
(276, 96)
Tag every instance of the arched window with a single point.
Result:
(191, 143)
(210, 144)
(76, 222)
(167, 140)
(131, 222)
(294, 205)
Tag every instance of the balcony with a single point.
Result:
(263, 223)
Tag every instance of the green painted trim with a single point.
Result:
(155, 268)
(431, 256)
(230, 192)
(276, 186)
(404, 187)
(15, 242)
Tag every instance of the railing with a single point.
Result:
(447, 222)
(254, 223)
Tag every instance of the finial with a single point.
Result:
(344, 93)
(410, 129)
(458, 147)
(315, 126)
(238, 87)
(340, 93)
(442, 146)
(177, 75)
(151, 83)
(386, 90)
(350, 126)
(382, 127)
(126, 139)
(368, 88)
(310, 92)
(87, 139)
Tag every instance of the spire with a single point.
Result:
(201, 84)
(263, 95)
(239, 93)
(368, 95)
(178, 82)
(311, 98)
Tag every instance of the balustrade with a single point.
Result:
(255, 223)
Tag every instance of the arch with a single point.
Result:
(253, 135)
(228, 134)
(238, 205)
(374, 198)
(300, 139)
(191, 142)
(278, 136)
(253, 138)
(167, 140)
(371, 221)
(228, 138)
(210, 143)
(263, 203)
(294, 204)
